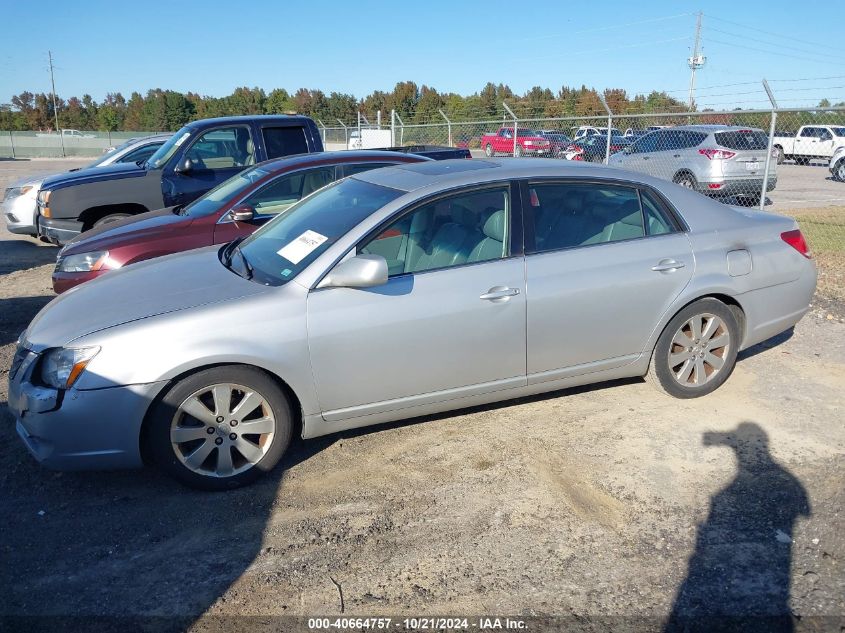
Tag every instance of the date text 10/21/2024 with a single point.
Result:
(417, 624)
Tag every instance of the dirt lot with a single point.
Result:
(612, 507)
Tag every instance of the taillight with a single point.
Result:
(577, 157)
(615, 148)
(796, 240)
(717, 154)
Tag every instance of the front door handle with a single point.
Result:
(499, 294)
(667, 266)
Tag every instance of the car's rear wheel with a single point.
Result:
(488, 150)
(839, 171)
(686, 180)
(778, 150)
(221, 428)
(112, 217)
(697, 350)
(517, 151)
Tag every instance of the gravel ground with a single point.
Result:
(610, 506)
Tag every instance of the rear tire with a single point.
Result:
(686, 180)
(839, 171)
(696, 351)
(195, 438)
(518, 151)
(112, 217)
(488, 150)
(778, 154)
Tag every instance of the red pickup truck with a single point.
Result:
(527, 142)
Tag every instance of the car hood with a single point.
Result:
(93, 174)
(144, 225)
(159, 286)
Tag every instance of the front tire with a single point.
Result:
(778, 154)
(839, 171)
(518, 151)
(221, 428)
(696, 351)
(113, 217)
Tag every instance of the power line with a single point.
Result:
(606, 28)
(601, 50)
(753, 39)
(760, 50)
(745, 26)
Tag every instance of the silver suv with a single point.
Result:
(716, 160)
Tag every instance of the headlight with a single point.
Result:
(15, 192)
(81, 263)
(61, 366)
(44, 203)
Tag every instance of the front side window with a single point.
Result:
(571, 215)
(284, 192)
(462, 229)
(839, 131)
(284, 141)
(166, 151)
(225, 192)
(283, 247)
(222, 148)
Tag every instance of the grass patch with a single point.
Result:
(824, 229)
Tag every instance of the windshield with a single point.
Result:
(163, 153)
(283, 247)
(225, 192)
(110, 153)
(839, 131)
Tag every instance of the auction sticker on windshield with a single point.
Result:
(302, 246)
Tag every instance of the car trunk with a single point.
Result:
(749, 148)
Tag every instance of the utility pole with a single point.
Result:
(696, 61)
(55, 108)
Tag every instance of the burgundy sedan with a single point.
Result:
(233, 209)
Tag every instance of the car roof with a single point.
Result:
(343, 156)
(201, 123)
(712, 127)
(459, 172)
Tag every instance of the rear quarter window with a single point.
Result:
(742, 139)
(284, 141)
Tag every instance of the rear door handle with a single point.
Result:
(499, 293)
(667, 266)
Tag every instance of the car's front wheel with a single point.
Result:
(839, 171)
(221, 428)
(488, 150)
(113, 217)
(697, 350)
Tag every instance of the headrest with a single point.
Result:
(494, 227)
(464, 216)
(573, 200)
(629, 213)
(249, 146)
(421, 220)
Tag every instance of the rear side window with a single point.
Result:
(656, 220)
(692, 139)
(742, 139)
(284, 141)
(571, 215)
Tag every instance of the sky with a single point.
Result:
(213, 47)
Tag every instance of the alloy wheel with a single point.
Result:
(222, 430)
(698, 350)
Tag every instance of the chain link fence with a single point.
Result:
(70, 143)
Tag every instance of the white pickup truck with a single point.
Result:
(811, 141)
(67, 134)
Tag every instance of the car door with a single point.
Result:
(824, 146)
(807, 138)
(274, 198)
(449, 323)
(604, 261)
(215, 155)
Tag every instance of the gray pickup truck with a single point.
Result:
(197, 158)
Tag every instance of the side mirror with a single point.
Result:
(362, 271)
(242, 213)
(629, 149)
(184, 167)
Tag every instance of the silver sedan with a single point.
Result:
(396, 293)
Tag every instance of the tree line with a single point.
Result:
(164, 110)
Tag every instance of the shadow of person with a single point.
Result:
(739, 574)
